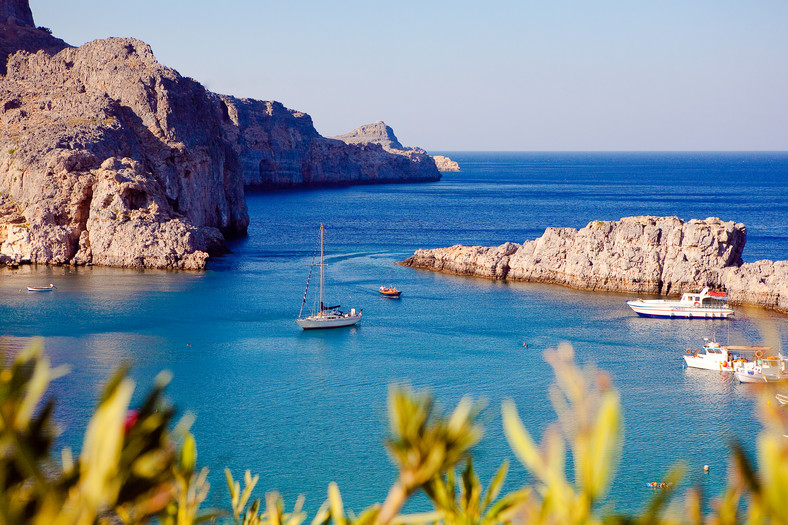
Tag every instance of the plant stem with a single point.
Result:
(394, 501)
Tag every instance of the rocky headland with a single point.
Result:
(648, 255)
(108, 157)
(279, 147)
(445, 164)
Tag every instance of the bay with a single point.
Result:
(306, 408)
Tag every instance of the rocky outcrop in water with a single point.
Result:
(107, 157)
(655, 255)
(445, 164)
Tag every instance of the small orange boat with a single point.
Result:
(389, 292)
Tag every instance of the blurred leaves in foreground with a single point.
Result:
(135, 467)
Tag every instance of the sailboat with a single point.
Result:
(327, 316)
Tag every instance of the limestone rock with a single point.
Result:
(377, 133)
(445, 164)
(19, 33)
(108, 111)
(16, 12)
(657, 255)
(279, 147)
(108, 157)
(762, 283)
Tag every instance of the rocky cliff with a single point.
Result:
(107, 157)
(279, 147)
(18, 32)
(655, 255)
(16, 12)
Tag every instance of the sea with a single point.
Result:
(304, 408)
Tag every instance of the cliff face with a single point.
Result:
(657, 255)
(18, 32)
(107, 157)
(16, 12)
(278, 147)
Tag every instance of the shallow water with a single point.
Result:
(305, 408)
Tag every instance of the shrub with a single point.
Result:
(131, 468)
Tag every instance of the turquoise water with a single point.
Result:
(306, 408)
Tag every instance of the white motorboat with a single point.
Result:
(714, 356)
(763, 370)
(703, 305)
(326, 316)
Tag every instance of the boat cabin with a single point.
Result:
(706, 298)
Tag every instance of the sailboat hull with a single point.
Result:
(327, 321)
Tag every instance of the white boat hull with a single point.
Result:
(749, 376)
(665, 310)
(315, 321)
(707, 364)
(768, 370)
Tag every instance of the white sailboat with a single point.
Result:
(326, 316)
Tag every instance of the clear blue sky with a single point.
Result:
(494, 75)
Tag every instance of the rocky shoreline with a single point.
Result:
(108, 157)
(647, 255)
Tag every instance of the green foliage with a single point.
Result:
(131, 471)
(589, 423)
(125, 469)
(467, 507)
(424, 444)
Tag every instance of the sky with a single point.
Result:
(498, 75)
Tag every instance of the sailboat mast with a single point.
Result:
(321, 270)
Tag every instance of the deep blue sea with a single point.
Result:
(305, 408)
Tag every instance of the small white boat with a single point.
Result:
(326, 316)
(41, 288)
(703, 305)
(763, 370)
(717, 357)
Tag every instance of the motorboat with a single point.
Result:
(764, 369)
(41, 288)
(325, 316)
(389, 291)
(722, 358)
(704, 305)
